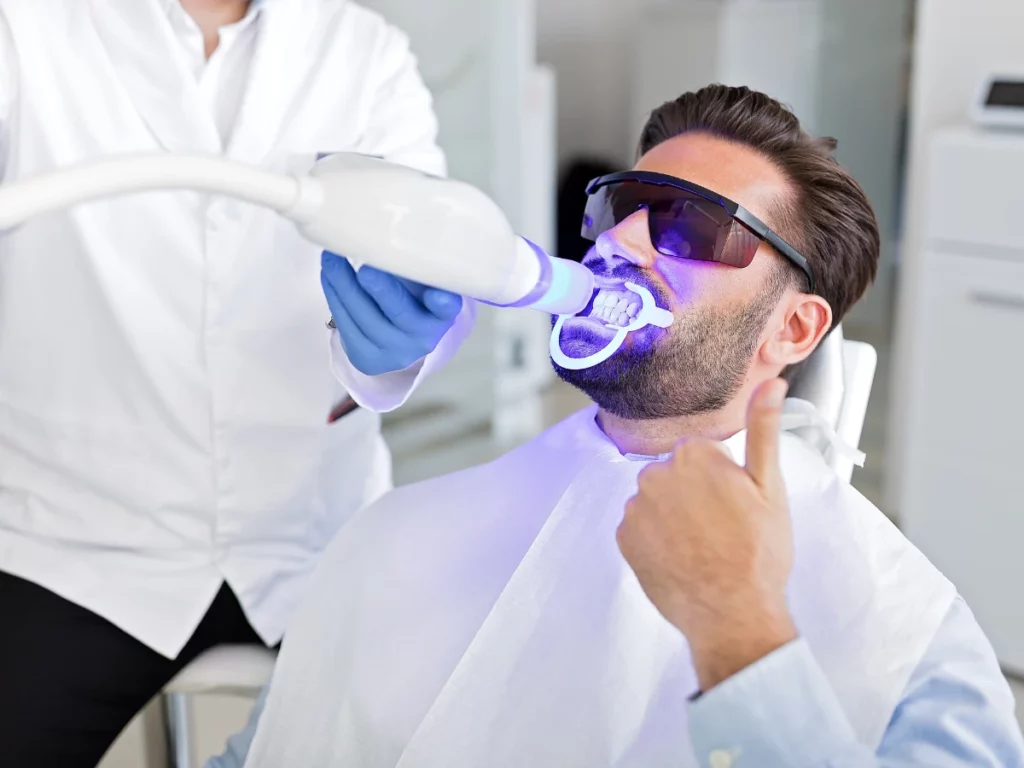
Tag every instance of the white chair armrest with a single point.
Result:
(236, 669)
(859, 363)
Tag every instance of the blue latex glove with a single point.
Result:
(386, 323)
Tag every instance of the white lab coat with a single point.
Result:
(165, 370)
(487, 618)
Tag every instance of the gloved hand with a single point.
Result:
(386, 323)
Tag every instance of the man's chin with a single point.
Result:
(583, 337)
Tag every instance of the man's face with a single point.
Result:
(699, 363)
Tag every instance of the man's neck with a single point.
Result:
(211, 15)
(652, 437)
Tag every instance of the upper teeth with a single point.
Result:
(615, 307)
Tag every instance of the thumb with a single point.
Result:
(764, 417)
(443, 305)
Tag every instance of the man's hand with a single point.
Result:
(386, 323)
(711, 543)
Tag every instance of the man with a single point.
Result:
(490, 618)
(179, 436)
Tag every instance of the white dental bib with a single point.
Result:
(487, 618)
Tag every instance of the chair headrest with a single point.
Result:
(821, 381)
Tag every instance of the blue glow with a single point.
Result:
(561, 282)
(649, 314)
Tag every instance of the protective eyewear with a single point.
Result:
(685, 220)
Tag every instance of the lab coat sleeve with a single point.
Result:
(403, 129)
(957, 710)
(238, 745)
(387, 391)
(8, 88)
(402, 126)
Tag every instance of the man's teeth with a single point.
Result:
(615, 307)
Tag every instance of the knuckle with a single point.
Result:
(623, 539)
(703, 451)
(423, 348)
(407, 358)
(367, 365)
(629, 517)
(701, 446)
(648, 478)
(680, 456)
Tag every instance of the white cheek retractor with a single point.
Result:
(650, 314)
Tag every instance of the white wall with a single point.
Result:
(855, 93)
(957, 43)
(588, 44)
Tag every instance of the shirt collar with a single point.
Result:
(174, 6)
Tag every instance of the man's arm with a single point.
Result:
(402, 129)
(715, 561)
(957, 710)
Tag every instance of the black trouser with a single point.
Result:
(70, 681)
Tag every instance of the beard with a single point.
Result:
(696, 367)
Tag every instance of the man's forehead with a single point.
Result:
(733, 170)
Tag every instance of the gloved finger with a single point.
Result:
(416, 289)
(398, 303)
(361, 306)
(439, 302)
(355, 343)
(444, 305)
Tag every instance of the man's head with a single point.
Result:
(734, 327)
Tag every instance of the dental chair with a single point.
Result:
(837, 379)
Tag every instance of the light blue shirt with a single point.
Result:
(781, 712)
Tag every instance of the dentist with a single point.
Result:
(180, 434)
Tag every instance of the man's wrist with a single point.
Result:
(722, 646)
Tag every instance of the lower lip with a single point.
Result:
(590, 323)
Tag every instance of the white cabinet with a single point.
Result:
(964, 504)
(963, 499)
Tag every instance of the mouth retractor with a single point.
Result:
(650, 314)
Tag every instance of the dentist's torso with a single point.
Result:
(165, 372)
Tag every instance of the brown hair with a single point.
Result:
(828, 218)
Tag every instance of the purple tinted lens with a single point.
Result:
(691, 227)
(682, 224)
(606, 207)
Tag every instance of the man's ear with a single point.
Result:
(799, 325)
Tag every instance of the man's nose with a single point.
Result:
(629, 240)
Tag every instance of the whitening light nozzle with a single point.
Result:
(435, 231)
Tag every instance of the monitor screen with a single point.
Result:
(1006, 93)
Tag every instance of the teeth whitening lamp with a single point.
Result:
(436, 231)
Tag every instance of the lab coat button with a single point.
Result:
(719, 758)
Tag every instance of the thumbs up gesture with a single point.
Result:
(711, 544)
